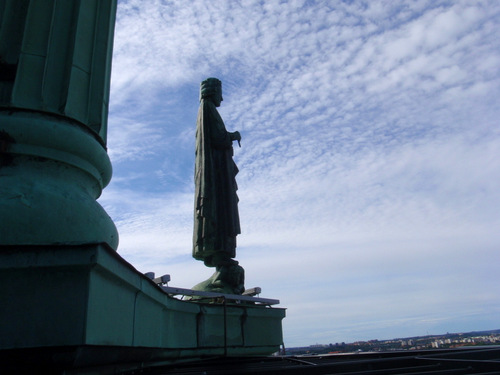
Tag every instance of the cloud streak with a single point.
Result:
(369, 167)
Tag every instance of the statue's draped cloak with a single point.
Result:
(216, 221)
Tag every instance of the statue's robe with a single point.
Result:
(216, 219)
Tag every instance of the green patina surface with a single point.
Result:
(51, 175)
(55, 59)
(60, 52)
(88, 296)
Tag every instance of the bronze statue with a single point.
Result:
(216, 219)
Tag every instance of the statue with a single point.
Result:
(216, 219)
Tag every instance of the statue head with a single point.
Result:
(211, 89)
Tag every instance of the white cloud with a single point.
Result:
(368, 169)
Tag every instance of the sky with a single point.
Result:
(369, 180)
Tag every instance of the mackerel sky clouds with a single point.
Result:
(369, 176)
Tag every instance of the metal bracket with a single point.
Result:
(229, 297)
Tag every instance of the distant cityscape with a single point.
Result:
(445, 341)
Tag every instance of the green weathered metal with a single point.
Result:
(51, 175)
(77, 298)
(56, 59)
(61, 55)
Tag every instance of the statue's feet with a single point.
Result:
(227, 279)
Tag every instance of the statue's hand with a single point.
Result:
(236, 136)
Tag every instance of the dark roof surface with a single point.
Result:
(485, 360)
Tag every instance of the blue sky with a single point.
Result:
(369, 179)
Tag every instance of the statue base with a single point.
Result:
(72, 307)
(228, 279)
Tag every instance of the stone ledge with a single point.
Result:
(88, 296)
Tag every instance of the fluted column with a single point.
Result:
(55, 61)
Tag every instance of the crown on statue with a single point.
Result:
(209, 87)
